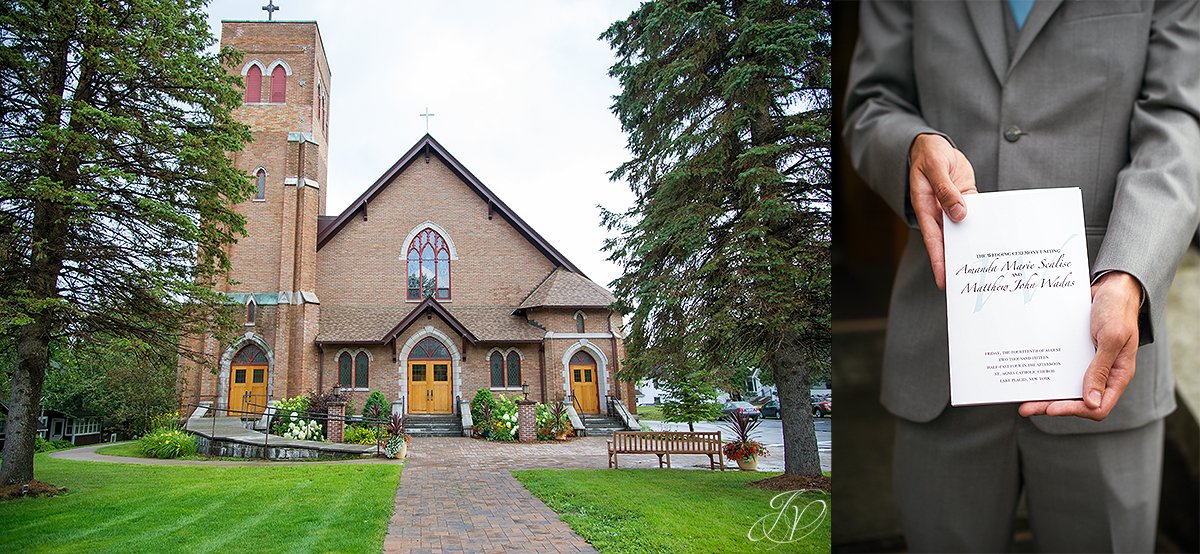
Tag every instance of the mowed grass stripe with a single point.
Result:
(123, 507)
(673, 511)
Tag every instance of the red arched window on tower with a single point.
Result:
(279, 84)
(254, 84)
(428, 267)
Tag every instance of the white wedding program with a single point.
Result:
(1017, 297)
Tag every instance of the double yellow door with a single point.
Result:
(245, 379)
(584, 388)
(429, 388)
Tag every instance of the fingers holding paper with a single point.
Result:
(1116, 297)
(939, 175)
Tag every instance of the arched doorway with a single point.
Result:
(430, 388)
(585, 382)
(248, 381)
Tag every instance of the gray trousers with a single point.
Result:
(958, 477)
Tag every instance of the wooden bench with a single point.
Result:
(665, 443)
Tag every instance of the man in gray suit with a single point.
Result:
(950, 98)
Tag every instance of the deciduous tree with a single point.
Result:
(726, 248)
(116, 192)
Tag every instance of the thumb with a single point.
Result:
(1095, 379)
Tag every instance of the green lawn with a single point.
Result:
(677, 510)
(137, 508)
(650, 412)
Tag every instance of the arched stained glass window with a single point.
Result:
(345, 370)
(252, 354)
(260, 182)
(429, 349)
(250, 309)
(361, 368)
(428, 267)
(279, 84)
(254, 84)
(579, 322)
(582, 358)
(514, 369)
(497, 363)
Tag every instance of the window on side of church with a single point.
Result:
(579, 322)
(279, 85)
(514, 369)
(361, 365)
(251, 307)
(254, 84)
(345, 370)
(260, 182)
(497, 362)
(428, 261)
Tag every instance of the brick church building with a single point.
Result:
(426, 288)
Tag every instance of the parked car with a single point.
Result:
(742, 407)
(770, 409)
(822, 407)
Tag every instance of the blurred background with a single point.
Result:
(867, 241)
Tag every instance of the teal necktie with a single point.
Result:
(1020, 10)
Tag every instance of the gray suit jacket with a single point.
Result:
(1098, 95)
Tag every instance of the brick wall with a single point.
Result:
(363, 263)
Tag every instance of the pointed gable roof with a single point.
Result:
(431, 305)
(564, 289)
(425, 147)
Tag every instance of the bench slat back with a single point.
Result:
(667, 441)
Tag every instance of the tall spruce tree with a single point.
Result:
(726, 248)
(116, 191)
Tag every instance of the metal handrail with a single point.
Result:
(300, 414)
(575, 403)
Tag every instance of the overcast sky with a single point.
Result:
(520, 93)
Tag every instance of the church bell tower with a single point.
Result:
(286, 105)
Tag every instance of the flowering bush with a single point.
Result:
(286, 411)
(361, 434)
(553, 421)
(743, 450)
(303, 429)
(167, 442)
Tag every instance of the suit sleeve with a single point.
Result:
(1155, 208)
(882, 112)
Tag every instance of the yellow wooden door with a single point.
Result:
(419, 379)
(440, 390)
(247, 390)
(584, 388)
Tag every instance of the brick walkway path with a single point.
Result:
(457, 495)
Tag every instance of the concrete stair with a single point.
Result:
(421, 425)
(599, 425)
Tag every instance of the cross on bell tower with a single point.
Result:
(270, 8)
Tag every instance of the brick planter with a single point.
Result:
(527, 420)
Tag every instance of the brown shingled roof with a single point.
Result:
(565, 289)
(378, 324)
(497, 324)
(358, 324)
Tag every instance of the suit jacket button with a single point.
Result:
(1012, 133)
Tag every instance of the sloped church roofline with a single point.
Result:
(428, 145)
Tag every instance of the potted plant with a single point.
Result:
(397, 442)
(743, 448)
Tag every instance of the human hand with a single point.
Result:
(1116, 297)
(939, 174)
